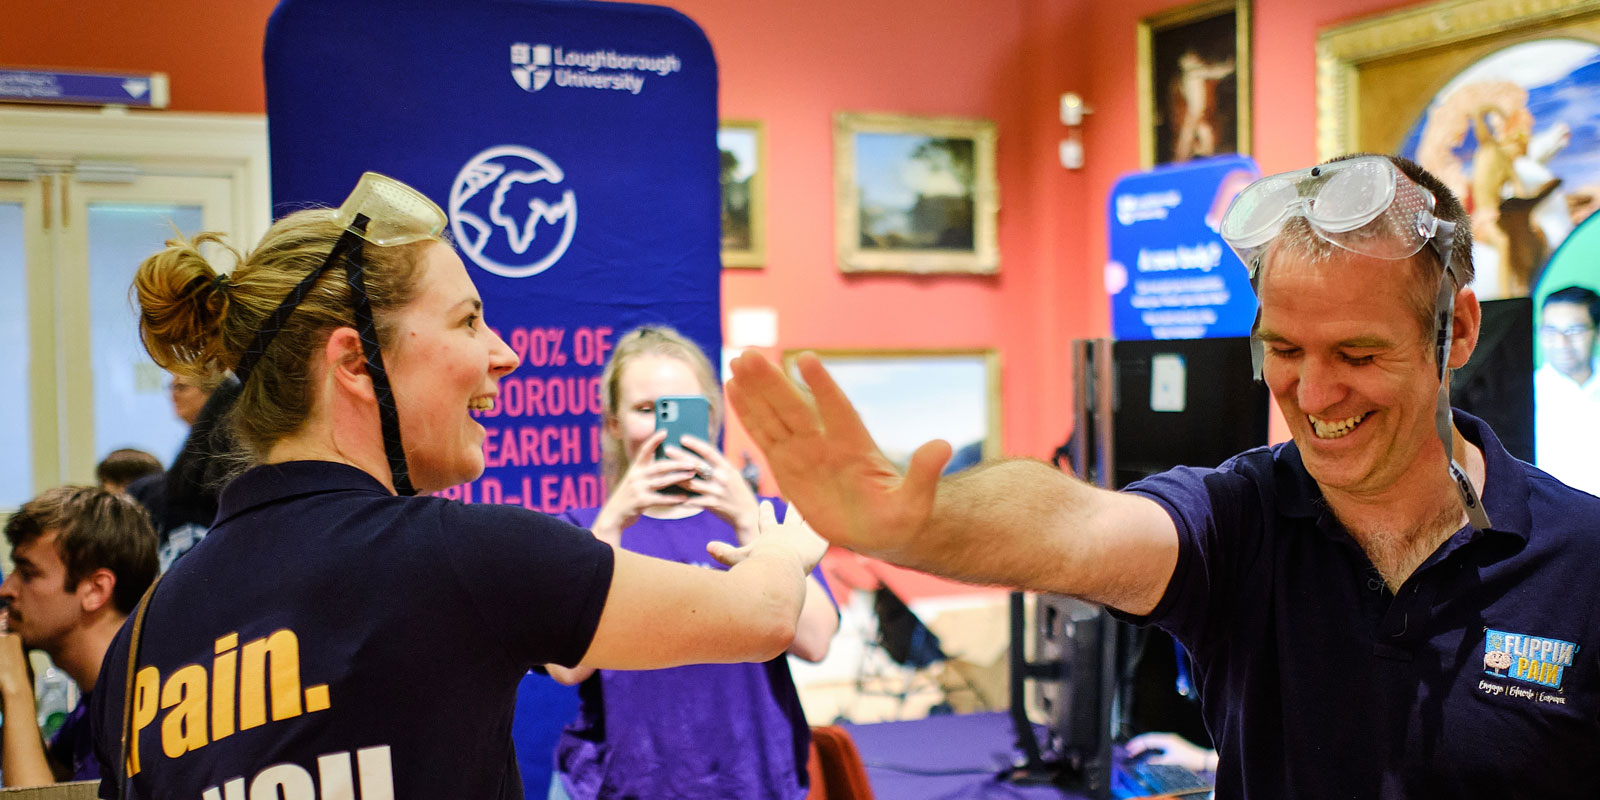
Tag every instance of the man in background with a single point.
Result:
(122, 467)
(1567, 389)
(82, 559)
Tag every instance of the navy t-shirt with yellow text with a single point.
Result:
(330, 640)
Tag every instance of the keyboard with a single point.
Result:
(1167, 779)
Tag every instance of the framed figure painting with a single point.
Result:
(915, 194)
(1194, 82)
(1499, 102)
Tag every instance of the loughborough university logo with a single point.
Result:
(510, 212)
(530, 66)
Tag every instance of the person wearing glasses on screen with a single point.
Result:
(1389, 605)
(1566, 388)
(336, 633)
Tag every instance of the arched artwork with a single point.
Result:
(1517, 137)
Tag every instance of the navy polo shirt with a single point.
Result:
(1477, 679)
(329, 639)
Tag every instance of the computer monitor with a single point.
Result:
(1183, 401)
(1072, 675)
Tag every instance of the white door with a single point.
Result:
(84, 198)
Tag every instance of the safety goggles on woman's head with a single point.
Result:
(1365, 205)
(394, 213)
(384, 212)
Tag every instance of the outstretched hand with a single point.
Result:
(792, 534)
(827, 464)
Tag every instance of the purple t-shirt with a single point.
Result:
(73, 744)
(692, 732)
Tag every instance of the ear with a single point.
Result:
(1465, 327)
(95, 590)
(613, 425)
(346, 364)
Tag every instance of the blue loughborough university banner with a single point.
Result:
(573, 145)
(1170, 275)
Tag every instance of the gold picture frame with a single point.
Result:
(908, 397)
(1194, 82)
(742, 145)
(1492, 98)
(915, 194)
(1398, 61)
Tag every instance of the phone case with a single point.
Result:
(679, 415)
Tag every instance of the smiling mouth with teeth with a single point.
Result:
(1325, 429)
(480, 403)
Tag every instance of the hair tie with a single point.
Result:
(220, 282)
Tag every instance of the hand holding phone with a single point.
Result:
(681, 415)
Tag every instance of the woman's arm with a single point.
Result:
(664, 614)
(819, 621)
(569, 676)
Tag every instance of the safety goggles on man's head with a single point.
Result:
(1365, 205)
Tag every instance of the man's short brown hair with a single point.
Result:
(94, 529)
(124, 466)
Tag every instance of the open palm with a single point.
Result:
(826, 463)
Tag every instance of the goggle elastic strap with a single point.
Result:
(388, 417)
(1258, 349)
(1444, 305)
(346, 250)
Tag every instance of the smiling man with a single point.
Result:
(82, 558)
(1363, 624)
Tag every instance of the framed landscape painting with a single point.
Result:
(915, 194)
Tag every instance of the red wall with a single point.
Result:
(793, 64)
(211, 50)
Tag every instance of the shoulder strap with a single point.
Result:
(127, 695)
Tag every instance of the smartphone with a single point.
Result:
(679, 415)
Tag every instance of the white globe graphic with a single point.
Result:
(509, 213)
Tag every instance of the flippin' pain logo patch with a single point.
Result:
(1538, 660)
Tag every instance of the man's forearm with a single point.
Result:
(22, 757)
(1024, 524)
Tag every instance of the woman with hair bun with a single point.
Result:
(336, 634)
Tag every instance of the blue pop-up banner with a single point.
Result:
(1170, 275)
(573, 145)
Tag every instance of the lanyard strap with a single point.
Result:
(127, 695)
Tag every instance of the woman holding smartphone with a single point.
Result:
(686, 732)
(336, 628)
